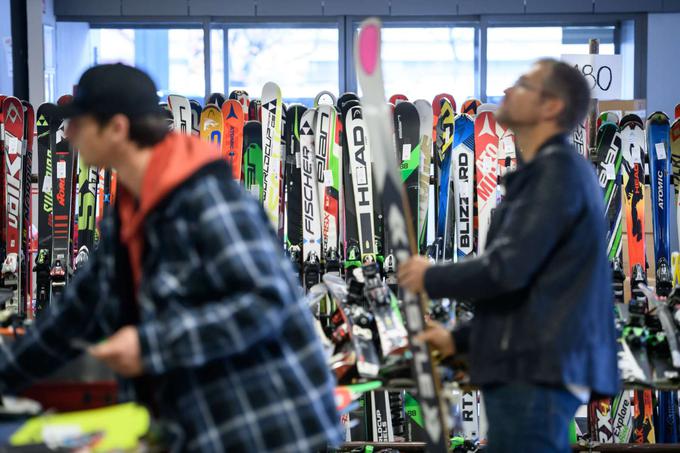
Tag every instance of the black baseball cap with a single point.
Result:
(109, 89)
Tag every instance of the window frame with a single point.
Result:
(569, 20)
(410, 22)
(313, 23)
(146, 24)
(348, 24)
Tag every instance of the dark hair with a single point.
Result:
(567, 83)
(146, 130)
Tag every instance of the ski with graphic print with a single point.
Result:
(232, 140)
(361, 169)
(486, 163)
(600, 421)
(282, 183)
(425, 117)
(62, 188)
(609, 158)
(13, 121)
(463, 184)
(444, 154)
(196, 111)
(181, 113)
(658, 147)
(436, 111)
(634, 153)
(252, 159)
(402, 237)
(407, 135)
(349, 221)
(329, 162)
(88, 178)
(44, 155)
(26, 307)
(293, 180)
(212, 126)
(311, 202)
(675, 158)
(255, 110)
(272, 112)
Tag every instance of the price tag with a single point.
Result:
(361, 176)
(13, 145)
(604, 73)
(660, 151)
(509, 144)
(298, 160)
(610, 170)
(255, 191)
(637, 155)
(406, 152)
(328, 178)
(61, 170)
(47, 184)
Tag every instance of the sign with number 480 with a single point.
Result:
(603, 73)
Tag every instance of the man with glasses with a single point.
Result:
(542, 340)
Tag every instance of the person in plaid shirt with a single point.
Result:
(189, 296)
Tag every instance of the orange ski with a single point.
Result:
(232, 143)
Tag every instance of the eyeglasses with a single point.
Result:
(522, 83)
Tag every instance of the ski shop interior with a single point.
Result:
(629, 49)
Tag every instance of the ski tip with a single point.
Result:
(630, 120)
(369, 45)
(271, 88)
(658, 117)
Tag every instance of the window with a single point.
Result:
(512, 50)
(302, 61)
(423, 62)
(172, 57)
(217, 61)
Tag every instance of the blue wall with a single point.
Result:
(663, 62)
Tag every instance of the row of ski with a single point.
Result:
(630, 150)
(71, 197)
(312, 171)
